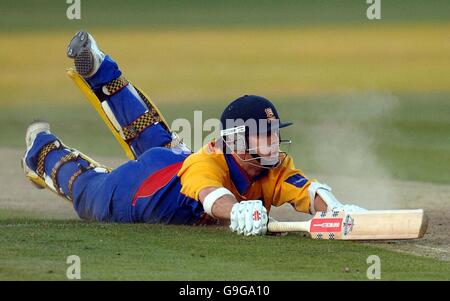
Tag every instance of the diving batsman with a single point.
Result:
(234, 179)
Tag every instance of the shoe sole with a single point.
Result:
(78, 50)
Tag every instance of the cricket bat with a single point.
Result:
(369, 225)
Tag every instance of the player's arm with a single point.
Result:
(289, 185)
(311, 198)
(319, 204)
(247, 217)
(221, 208)
(203, 179)
(324, 200)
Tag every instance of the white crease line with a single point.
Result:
(432, 248)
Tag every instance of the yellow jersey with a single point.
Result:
(210, 167)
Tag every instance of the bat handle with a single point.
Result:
(288, 226)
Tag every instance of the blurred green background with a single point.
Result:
(368, 98)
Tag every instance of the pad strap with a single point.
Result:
(75, 176)
(115, 86)
(149, 105)
(65, 159)
(42, 155)
(132, 130)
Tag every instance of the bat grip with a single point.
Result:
(288, 226)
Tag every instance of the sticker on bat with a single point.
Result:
(326, 225)
(348, 225)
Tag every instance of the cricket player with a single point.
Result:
(234, 179)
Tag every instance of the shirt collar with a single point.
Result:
(238, 176)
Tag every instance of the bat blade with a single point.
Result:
(370, 225)
(385, 224)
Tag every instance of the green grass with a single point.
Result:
(37, 249)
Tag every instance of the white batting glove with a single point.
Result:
(249, 218)
(324, 191)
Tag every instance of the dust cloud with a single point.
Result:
(345, 151)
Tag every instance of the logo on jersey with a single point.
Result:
(297, 180)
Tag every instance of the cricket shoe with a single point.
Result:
(33, 130)
(86, 54)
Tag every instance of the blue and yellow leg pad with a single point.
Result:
(47, 176)
(126, 133)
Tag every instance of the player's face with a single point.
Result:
(267, 146)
